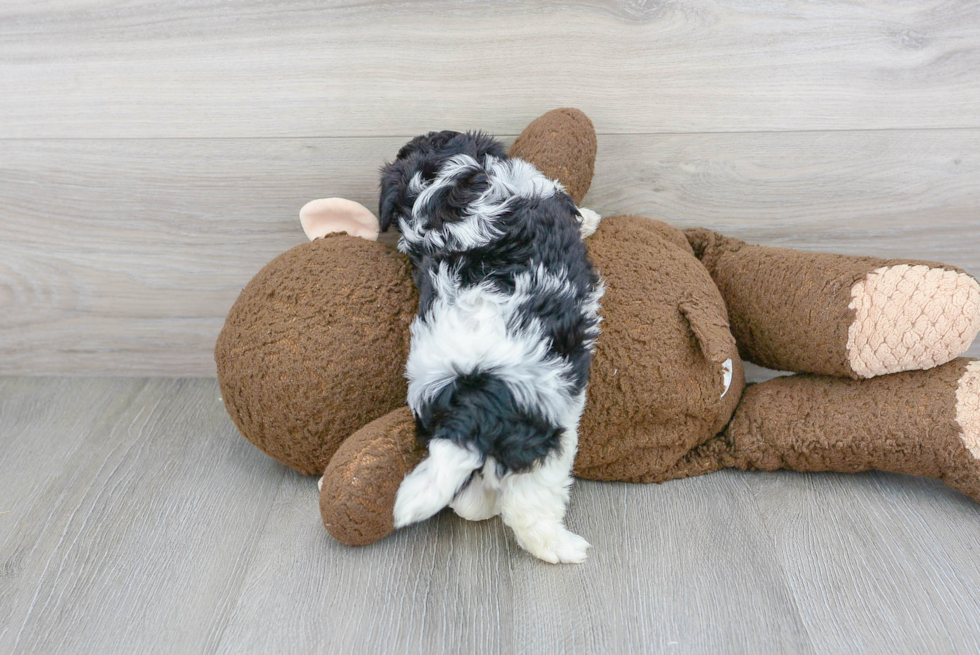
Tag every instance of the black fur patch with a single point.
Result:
(478, 410)
(426, 154)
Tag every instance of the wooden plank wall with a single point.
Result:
(153, 156)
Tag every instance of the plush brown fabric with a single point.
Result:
(904, 423)
(788, 309)
(361, 481)
(562, 145)
(656, 380)
(315, 347)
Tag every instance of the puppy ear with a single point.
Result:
(392, 187)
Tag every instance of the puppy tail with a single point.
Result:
(434, 482)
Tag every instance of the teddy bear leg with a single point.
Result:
(924, 423)
(856, 317)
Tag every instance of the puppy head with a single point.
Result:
(478, 410)
(418, 163)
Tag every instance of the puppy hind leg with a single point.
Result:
(434, 482)
(477, 501)
(533, 505)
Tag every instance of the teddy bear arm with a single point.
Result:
(856, 317)
(359, 485)
(923, 423)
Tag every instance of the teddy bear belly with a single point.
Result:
(656, 390)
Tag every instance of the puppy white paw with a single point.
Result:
(557, 546)
(571, 548)
(590, 222)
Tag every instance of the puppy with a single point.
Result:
(501, 347)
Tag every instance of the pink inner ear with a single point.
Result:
(327, 215)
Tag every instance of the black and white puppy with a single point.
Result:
(501, 346)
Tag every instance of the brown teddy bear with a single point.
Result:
(311, 357)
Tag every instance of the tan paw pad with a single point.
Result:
(968, 408)
(911, 317)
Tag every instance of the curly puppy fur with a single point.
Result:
(501, 346)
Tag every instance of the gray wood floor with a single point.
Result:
(133, 518)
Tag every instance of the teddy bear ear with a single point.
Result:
(327, 215)
(562, 145)
(711, 330)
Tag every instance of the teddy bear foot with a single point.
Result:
(911, 317)
(965, 475)
(968, 408)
